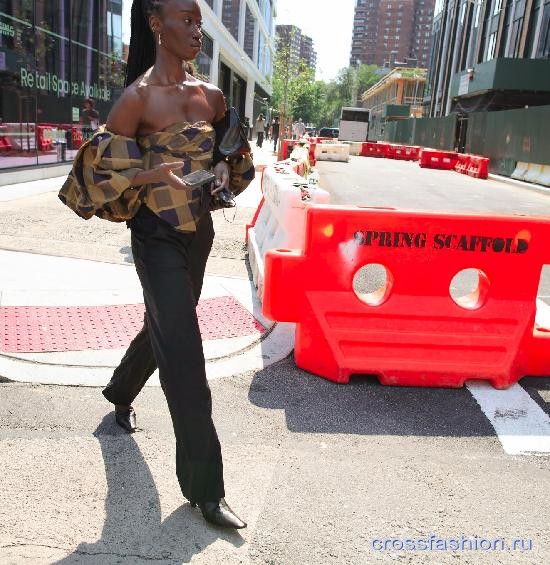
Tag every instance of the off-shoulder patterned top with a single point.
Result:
(104, 167)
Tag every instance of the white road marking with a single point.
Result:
(521, 425)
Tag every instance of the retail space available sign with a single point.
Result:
(52, 83)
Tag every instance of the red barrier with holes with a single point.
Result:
(437, 159)
(43, 137)
(288, 144)
(411, 331)
(462, 163)
(77, 137)
(406, 152)
(374, 149)
(478, 167)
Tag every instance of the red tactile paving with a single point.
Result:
(34, 329)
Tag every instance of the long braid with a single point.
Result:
(141, 54)
(142, 50)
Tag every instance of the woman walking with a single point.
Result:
(260, 130)
(160, 129)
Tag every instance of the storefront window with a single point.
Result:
(60, 69)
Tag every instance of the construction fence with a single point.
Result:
(506, 137)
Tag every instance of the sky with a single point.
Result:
(328, 22)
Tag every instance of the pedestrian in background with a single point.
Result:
(260, 130)
(275, 127)
(299, 129)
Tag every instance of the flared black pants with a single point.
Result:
(170, 265)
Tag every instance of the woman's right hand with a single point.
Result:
(163, 173)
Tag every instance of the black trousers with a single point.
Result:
(260, 140)
(170, 265)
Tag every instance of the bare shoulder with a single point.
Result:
(215, 98)
(126, 114)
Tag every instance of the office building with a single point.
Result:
(489, 55)
(53, 56)
(239, 51)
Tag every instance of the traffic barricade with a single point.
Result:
(462, 163)
(280, 218)
(544, 177)
(288, 145)
(391, 151)
(412, 330)
(43, 138)
(533, 172)
(520, 171)
(332, 152)
(438, 159)
(5, 143)
(478, 167)
(405, 152)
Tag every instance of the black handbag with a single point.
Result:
(232, 146)
(231, 139)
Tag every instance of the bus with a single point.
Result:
(354, 124)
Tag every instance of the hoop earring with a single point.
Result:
(160, 39)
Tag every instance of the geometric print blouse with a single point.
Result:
(104, 167)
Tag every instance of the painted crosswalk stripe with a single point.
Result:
(520, 423)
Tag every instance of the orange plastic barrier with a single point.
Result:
(412, 332)
(5, 143)
(478, 167)
(45, 143)
(462, 163)
(77, 137)
(374, 149)
(405, 152)
(437, 159)
(288, 144)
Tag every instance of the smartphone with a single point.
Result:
(199, 178)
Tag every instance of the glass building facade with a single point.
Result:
(60, 70)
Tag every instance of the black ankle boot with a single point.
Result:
(126, 418)
(218, 512)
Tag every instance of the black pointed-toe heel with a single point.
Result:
(219, 513)
(126, 418)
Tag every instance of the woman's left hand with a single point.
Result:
(222, 172)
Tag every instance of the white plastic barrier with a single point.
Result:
(520, 171)
(332, 152)
(544, 177)
(533, 173)
(355, 148)
(280, 221)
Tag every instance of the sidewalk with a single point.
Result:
(68, 321)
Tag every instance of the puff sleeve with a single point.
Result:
(99, 183)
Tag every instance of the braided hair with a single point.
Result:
(142, 51)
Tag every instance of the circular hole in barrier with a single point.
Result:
(470, 288)
(372, 284)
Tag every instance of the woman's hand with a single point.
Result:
(163, 174)
(222, 172)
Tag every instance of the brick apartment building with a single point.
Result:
(300, 46)
(386, 30)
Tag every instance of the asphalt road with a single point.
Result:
(323, 473)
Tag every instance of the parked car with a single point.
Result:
(329, 132)
(311, 131)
